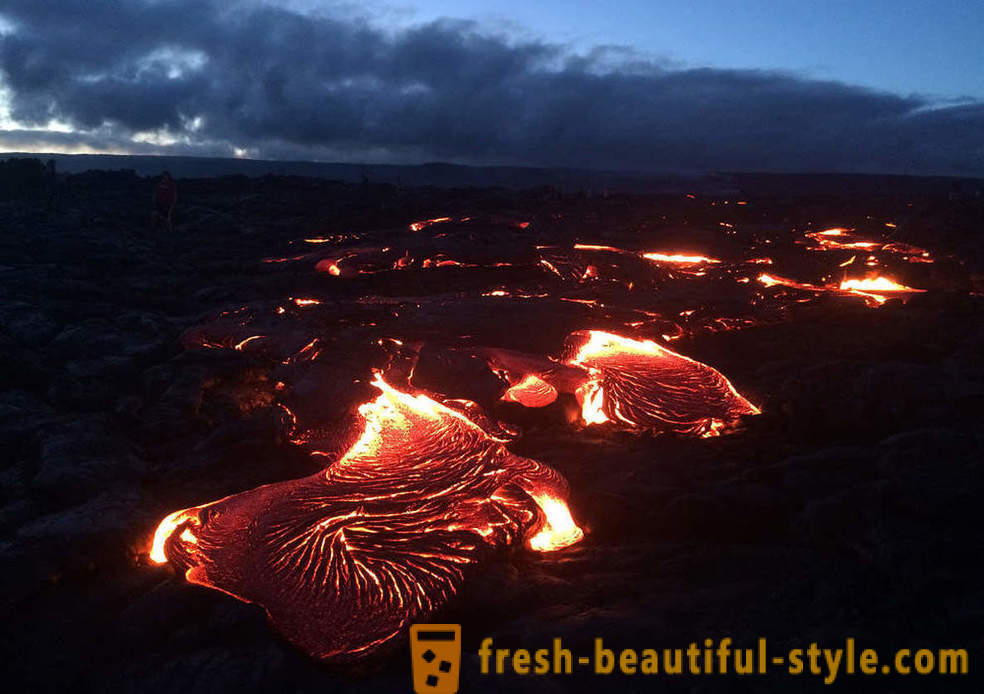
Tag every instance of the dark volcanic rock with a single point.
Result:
(849, 507)
(733, 513)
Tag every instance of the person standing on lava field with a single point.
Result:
(165, 197)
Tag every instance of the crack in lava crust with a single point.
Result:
(344, 560)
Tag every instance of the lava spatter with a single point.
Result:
(344, 560)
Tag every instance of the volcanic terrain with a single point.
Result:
(759, 402)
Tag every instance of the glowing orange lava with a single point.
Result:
(679, 258)
(839, 238)
(912, 254)
(531, 391)
(875, 291)
(642, 385)
(594, 247)
(330, 266)
(773, 280)
(239, 346)
(417, 226)
(880, 289)
(344, 560)
(877, 284)
(591, 397)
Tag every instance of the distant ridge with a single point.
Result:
(444, 175)
(438, 174)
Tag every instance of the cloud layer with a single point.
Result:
(212, 77)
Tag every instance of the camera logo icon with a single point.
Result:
(435, 651)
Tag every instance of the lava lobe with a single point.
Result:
(642, 384)
(345, 560)
(634, 384)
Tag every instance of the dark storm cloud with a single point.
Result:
(284, 83)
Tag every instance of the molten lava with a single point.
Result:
(345, 560)
(912, 254)
(773, 280)
(644, 385)
(531, 391)
(839, 239)
(417, 226)
(875, 291)
(330, 265)
(596, 247)
(880, 289)
(679, 258)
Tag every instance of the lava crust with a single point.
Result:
(344, 560)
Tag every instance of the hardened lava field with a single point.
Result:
(739, 405)
(345, 560)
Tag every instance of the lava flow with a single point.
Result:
(874, 290)
(636, 384)
(839, 239)
(679, 258)
(417, 226)
(879, 289)
(531, 391)
(642, 384)
(345, 560)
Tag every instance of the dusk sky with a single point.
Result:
(905, 46)
(873, 86)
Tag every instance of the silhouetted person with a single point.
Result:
(165, 197)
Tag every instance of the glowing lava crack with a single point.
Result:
(344, 560)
